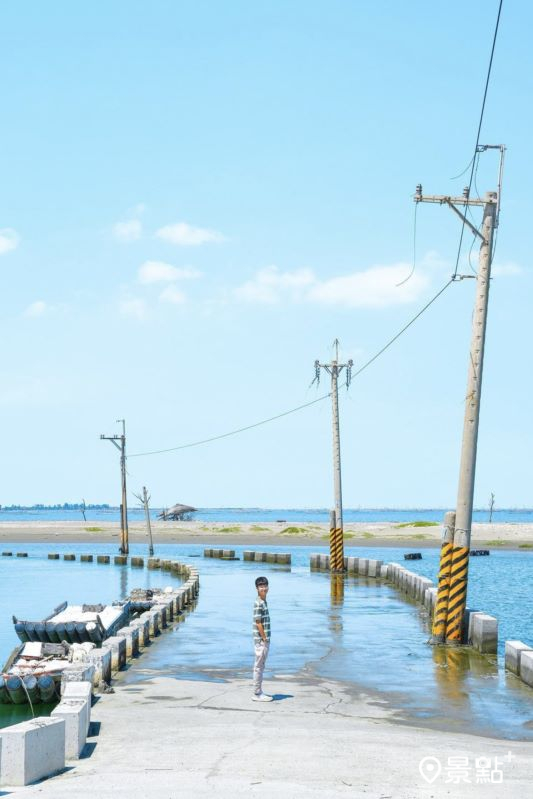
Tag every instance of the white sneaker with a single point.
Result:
(261, 698)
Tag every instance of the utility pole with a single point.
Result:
(458, 580)
(145, 499)
(336, 526)
(124, 534)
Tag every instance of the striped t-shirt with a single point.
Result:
(261, 614)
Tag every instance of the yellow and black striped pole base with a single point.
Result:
(339, 550)
(457, 594)
(438, 630)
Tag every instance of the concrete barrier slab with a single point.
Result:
(78, 672)
(526, 668)
(32, 750)
(513, 654)
(101, 660)
(485, 633)
(131, 634)
(76, 715)
(363, 567)
(143, 625)
(117, 646)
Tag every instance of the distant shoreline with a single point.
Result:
(357, 534)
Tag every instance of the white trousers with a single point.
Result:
(261, 652)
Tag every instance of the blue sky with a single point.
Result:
(198, 198)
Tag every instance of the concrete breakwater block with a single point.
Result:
(412, 556)
(117, 646)
(100, 659)
(154, 619)
(10, 554)
(80, 692)
(484, 633)
(526, 668)
(32, 750)
(138, 562)
(143, 625)
(22, 554)
(166, 565)
(76, 714)
(131, 634)
(103, 559)
(163, 614)
(86, 558)
(363, 566)
(374, 568)
(154, 563)
(51, 555)
(120, 560)
(248, 554)
(77, 672)
(70, 556)
(513, 654)
(225, 554)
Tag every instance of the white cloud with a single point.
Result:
(133, 306)
(173, 295)
(128, 231)
(161, 272)
(37, 308)
(9, 240)
(187, 236)
(507, 269)
(270, 285)
(375, 287)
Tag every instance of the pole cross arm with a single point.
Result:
(113, 440)
(467, 222)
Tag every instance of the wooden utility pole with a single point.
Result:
(467, 469)
(124, 534)
(145, 499)
(337, 537)
(491, 506)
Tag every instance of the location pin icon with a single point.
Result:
(430, 768)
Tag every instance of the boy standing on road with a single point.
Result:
(261, 638)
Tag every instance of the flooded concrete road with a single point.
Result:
(356, 631)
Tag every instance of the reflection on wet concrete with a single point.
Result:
(358, 631)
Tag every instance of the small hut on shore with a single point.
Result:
(177, 513)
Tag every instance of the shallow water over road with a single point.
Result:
(356, 630)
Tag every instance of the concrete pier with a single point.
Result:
(181, 747)
(86, 558)
(51, 555)
(103, 559)
(120, 560)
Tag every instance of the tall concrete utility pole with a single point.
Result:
(337, 532)
(458, 579)
(124, 534)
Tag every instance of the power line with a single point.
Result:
(473, 162)
(306, 404)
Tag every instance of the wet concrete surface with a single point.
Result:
(357, 632)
